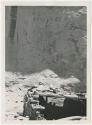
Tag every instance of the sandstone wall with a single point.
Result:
(46, 38)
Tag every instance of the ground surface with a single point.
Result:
(16, 87)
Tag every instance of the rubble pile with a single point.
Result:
(37, 95)
(49, 78)
(53, 96)
(13, 78)
(53, 104)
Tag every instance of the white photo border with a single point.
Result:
(46, 3)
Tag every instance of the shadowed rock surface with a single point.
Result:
(47, 38)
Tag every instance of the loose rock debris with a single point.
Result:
(46, 92)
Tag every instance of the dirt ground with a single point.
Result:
(14, 103)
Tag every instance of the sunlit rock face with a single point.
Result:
(46, 38)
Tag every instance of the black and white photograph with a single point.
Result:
(45, 63)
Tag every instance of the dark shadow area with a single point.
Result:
(13, 20)
(71, 107)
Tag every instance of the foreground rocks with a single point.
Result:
(17, 86)
(55, 105)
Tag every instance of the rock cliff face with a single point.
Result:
(39, 38)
